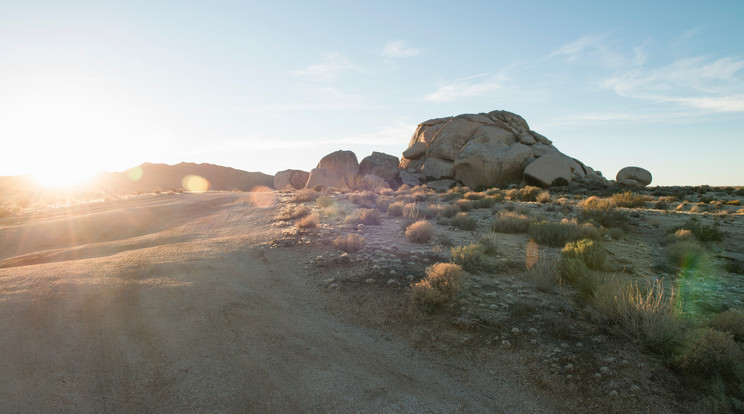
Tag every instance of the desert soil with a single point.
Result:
(196, 303)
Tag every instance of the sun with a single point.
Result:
(63, 176)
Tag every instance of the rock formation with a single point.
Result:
(291, 178)
(635, 177)
(334, 170)
(489, 150)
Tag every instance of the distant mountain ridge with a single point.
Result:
(153, 177)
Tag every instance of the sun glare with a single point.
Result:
(62, 177)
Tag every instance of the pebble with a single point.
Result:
(614, 394)
(369, 280)
(506, 343)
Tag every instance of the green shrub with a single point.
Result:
(325, 201)
(588, 251)
(703, 232)
(558, 234)
(449, 211)
(442, 284)
(629, 199)
(351, 243)
(511, 222)
(464, 222)
(731, 321)
(464, 205)
(712, 353)
(396, 209)
(420, 232)
(468, 257)
(571, 270)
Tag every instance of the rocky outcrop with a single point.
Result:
(341, 165)
(490, 149)
(381, 165)
(634, 177)
(408, 178)
(296, 179)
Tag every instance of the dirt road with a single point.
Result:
(175, 303)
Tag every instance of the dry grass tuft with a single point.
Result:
(420, 231)
(463, 221)
(443, 282)
(305, 195)
(511, 222)
(293, 212)
(309, 221)
(351, 243)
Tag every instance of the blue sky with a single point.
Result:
(266, 86)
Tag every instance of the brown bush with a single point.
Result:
(443, 282)
(351, 243)
(309, 221)
(420, 231)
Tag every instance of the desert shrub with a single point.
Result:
(588, 251)
(543, 197)
(293, 213)
(511, 194)
(472, 195)
(661, 205)
(711, 353)
(511, 222)
(364, 199)
(382, 203)
(452, 194)
(468, 257)
(395, 209)
(646, 313)
(733, 203)
(558, 234)
(403, 189)
(365, 216)
(528, 193)
(612, 218)
(305, 195)
(678, 236)
(485, 202)
(351, 243)
(615, 233)
(325, 201)
(309, 221)
(464, 205)
(490, 243)
(415, 211)
(420, 231)
(442, 284)
(731, 321)
(463, 221)
(571, 270)
(703, 232)
(685, 254)
(629, 199)
(387, 192)
(449, 211)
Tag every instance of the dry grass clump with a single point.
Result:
(543, 197)
(464, 205)
(415, 211)
(588, 251)
(351, 243)
(603, 212)
(558, 234)
(469, 257)
(452, 194)
(486, 202)
(472, 195)
(449, 211)
(543, 275)
(511, 222)
(305, 195)
(703, 232)
(731, 321)
(365, 199)
(686, 254)
(490, 243)
(420, 232)
(630, 199)
(463, 221)
(396, 209)
(442, 284)
(678, 236)
(647, 313)
(364, 216)
(528, 193)
(309, 221)
(382, 203)
(597, 203)
(293, 212)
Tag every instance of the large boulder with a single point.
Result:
(342, 164)
(488, 149)
(408, 178)
(291, 179)
(381, 165)
(483, 163)
(547, 170)
(635, 177)
(373, 181)
(324, 177)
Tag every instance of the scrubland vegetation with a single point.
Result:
(670, 301)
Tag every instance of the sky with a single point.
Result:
(272, 85)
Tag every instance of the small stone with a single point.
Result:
(506, 343)
(614, 394)
(634, 388)
(533, 341)
(569, 367)
(516, 331)
(369, 281)
(604, 370)
(532, 331)
(333, 286)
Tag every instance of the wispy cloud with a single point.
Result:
(697, 82)
(399, 49)
(331, 66)
(598, 49)
(471, 86)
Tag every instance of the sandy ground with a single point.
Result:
(177, 303)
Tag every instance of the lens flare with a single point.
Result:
(262, 197)
(135, 173)
(532, 253)
(195, 184)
